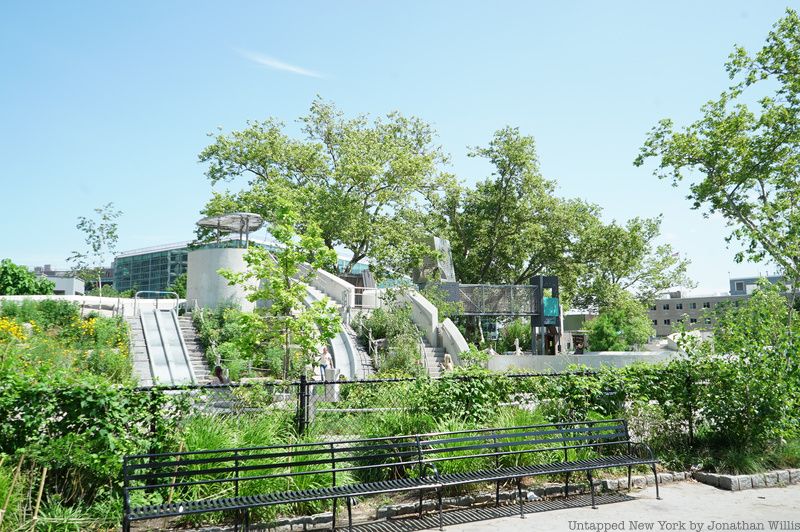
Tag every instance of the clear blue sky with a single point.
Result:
(112, 101)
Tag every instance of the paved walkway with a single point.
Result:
(684, 506)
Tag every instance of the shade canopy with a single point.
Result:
(235, 222)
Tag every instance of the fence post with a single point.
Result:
(302, 405)
(690, 408)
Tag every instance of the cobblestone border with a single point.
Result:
(782, 477)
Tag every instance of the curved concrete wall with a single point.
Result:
(424, 315)
(453, 341)
(209, 288)
(335, 288)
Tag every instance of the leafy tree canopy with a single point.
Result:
(362, 183)
(16, 280)
(179, 285)
(621, 327)
(512, 226)
(741, 157)
(618, 259)
(100, 235)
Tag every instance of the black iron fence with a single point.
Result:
(347, 407)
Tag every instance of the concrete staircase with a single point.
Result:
(138, 349)
(364, 367)
(195, 350)
(434, 358)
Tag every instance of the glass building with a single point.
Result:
(154, 268)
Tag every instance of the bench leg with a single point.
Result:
(591, 487)
(519, 498)
(629, 478)
(349, 514)
(333, 521)
(439, 504)
(126, 524)
(566, 485)
(497, 493)
(656, 477)
(246, 526)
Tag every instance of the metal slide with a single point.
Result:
(166, 350)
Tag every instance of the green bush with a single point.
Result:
(25, 311)
(80, 427)
(468, 394)
(400, 353)
(57, 313)
(517, 329)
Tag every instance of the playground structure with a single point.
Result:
(538, 301)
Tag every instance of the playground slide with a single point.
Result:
(166, 350)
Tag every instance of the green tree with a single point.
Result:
(741, 157)
(512, 226)
(758, 322)
(620, 327)
(16, 280)
(179, 285)
(362, 183)
(751, 397)
(279, 278)
(100, 234)
(618, 259)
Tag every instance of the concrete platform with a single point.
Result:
(683, 506)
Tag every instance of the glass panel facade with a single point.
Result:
(149, 271)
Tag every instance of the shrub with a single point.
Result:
(401, 352)
(469, 394)
(57, 312)
(517, 329)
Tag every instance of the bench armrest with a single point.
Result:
(433, 467)
(642, 450)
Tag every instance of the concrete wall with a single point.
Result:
(453, 341)
(335, 288)
(543, 364)
(209, 288)
(424, 315)
(68, 286)
(107, 305)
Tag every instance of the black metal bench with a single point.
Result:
(239, 480)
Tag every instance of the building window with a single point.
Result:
(708, 321)
(693, 306)
(706, 305)
(692, 320)
(665, 306)
(653, 307)
(678, 306)
(667, 322)
(739, 286)
(655, 322)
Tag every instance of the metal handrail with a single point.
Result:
(422, 354)
(177, 323)
(136, 299)
(361, 291)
